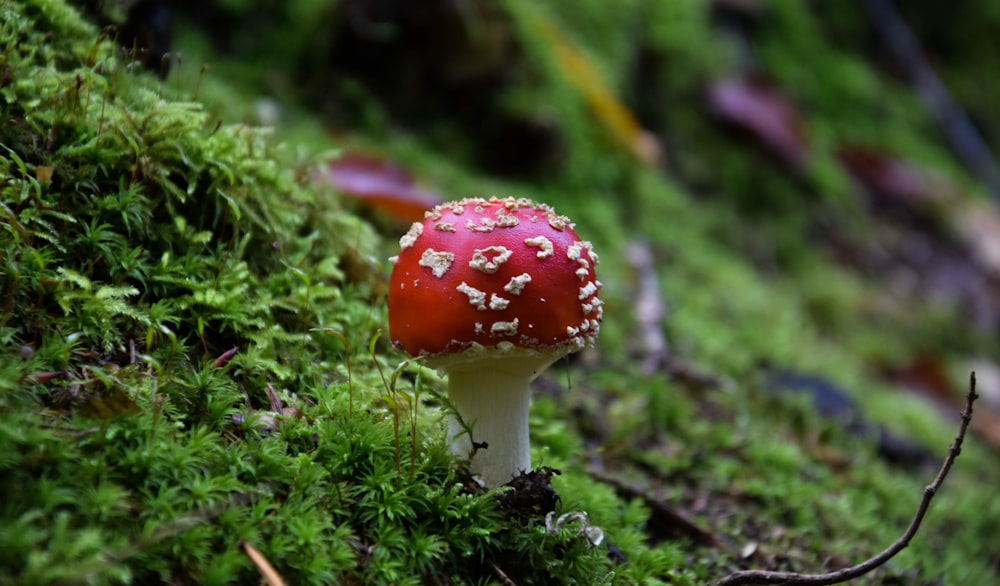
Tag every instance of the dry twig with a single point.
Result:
(796, 579)
(267, 571)
(665, 521)
(504, 578)
(649, 307)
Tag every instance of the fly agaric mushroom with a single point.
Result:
(491, 292)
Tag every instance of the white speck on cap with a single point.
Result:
(481, 262)
(543, 243)
(476, 297)
(437, 262)
(410, 238)
(516, 284)
(498, 303)
(504, 328)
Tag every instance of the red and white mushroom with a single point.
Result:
(491, 292)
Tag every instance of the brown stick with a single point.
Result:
(649, 307)
(267, 571)
(796, 579)
(504, 578)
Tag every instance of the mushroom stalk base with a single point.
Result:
(493, 399)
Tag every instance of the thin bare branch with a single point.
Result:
(267, 571)
(504, 578)
(795, 579)
(649, 307)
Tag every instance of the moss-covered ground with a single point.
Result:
(193, 355)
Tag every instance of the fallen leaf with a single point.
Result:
(926, 375)
(380, 184)
(890, 177)
(44, 377)
(609, 111)
(224, 358)
(765, 114)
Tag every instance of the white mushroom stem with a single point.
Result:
(492, 395)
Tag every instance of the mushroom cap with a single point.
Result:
(500, 273)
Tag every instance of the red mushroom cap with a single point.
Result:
(507, 273)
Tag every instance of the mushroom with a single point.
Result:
(491, 292)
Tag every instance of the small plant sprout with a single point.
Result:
(491, 292)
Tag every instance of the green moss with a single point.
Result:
(142, 241)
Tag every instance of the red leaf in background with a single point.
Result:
(764, 113)
(896, 181)
(926, 375)
(380, 184)
(884, 175)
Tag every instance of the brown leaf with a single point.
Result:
(927, 376)
(44, 377)
(764, 113)
(224, 358)
(886, 176)
(926, 373)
